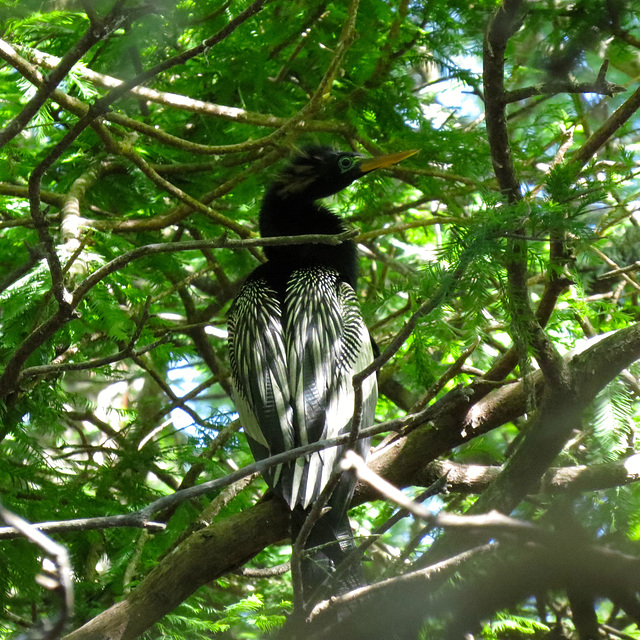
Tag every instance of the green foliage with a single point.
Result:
(110, 424)
(198, 618)
(509, 626)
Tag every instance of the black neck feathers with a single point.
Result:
(291, 208)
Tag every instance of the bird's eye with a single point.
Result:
(345, 163)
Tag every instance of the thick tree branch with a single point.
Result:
(457, 418)
(475, 478)
(559, 413)
(209, 552)
(462, 591)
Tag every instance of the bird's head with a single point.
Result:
(317, 171)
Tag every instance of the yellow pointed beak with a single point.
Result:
(385, 161)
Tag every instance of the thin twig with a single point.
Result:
(80, 109)
(96, 363)
(625, 275)
(603, 88)
(298, 549)
(448, 282)
(356, 555)
(126, 86)
(152, 249)
(621, 270)
(404, 226)
(11, 375)
(449, 374)
(35, 255)
(270, 572)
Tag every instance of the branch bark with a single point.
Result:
(559, 414)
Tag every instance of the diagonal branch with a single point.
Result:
(559, 414)
(458, 418)
(122, 89)
(95, 111)
(449, 281)
(80, 109)
(63, 579)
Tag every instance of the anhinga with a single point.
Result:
(296, 338)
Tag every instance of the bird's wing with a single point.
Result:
(259, 370)
(326, 343)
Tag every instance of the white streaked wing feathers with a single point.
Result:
(259, 366)
(294, 382)
(325, 334)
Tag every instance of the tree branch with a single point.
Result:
(205, 555)
(142, 517)
(559, 414)
(62, 579)
(504, 23)
(457, 417)
(457, 594)
(600, 86)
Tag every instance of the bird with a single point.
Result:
(296, 338)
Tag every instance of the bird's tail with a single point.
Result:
(329, 543)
